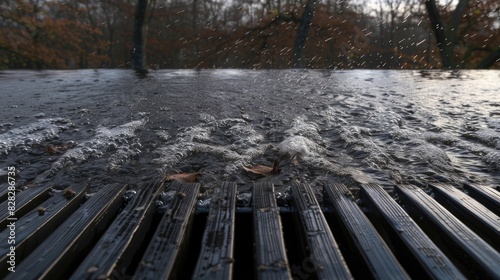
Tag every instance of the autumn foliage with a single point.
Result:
(48, 34)
(239, 34)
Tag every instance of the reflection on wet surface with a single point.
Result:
(357, 126)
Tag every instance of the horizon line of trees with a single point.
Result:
(331, 34)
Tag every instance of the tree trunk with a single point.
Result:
(305, 22)
(491, 59)
(194, 25)
(138, 54)
(446, 36)
(439, 32)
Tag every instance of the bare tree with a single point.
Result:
(395, 19)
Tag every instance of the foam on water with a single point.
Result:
(32, 134)
(386, 119)
(304, 145)
(234, 160)
(233, 140)
(300, 126)
(119, 140)
(297, 146)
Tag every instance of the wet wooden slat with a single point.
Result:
(382, 263)
(167, 243)
(24, 202)
(33, 226)
(490, 223)
(487, 257)
(56, 255)
(216, 257)
(490, 197)
(113, 252)
(324, 251)
(430, 257)
(4, 189)
(271, 259)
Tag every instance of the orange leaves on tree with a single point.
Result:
(50, 35)
(92, 34)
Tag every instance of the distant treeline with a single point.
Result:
(392, 34)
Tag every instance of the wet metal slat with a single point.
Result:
(54, 258)
(113, 252)
(488, 196)
(272, 262)
(382, 263)
(490, 223)
(324, 251)
(216, 257)
(167, 243)
(38, 224)
(487, 257)
(432, 259)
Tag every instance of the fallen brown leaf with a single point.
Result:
(263, 169)
(183, 177)
(51, 149)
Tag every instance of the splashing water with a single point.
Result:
(232, 140)
(114, 139)
(32, 134)
(386, 127)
